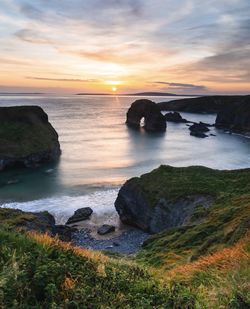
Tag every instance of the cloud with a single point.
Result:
(32, 36)
(199, 43)
(63, 79)
(13, 61)
(181, 86)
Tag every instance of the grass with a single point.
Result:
(37, 271)
(14, 218)
(222, 224)
(220, 280)
(21, 139)
(175, 183)
(196, 266)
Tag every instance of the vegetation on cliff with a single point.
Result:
(202, 264)
(26, 136)
(223, 223)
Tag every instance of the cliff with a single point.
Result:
(206, 104)
(200, 206)
(235, 118)
(26, 137)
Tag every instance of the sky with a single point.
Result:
(125, 46)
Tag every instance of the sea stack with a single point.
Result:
(26, 137)
(154, 121)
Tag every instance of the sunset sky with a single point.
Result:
(124, 46)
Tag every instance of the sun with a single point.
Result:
(114, 89)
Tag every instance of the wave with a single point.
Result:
(62, 207)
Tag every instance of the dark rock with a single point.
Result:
(199, 127)
(41, 222)
(235, 118)
(206, 104)
(64, 232)
(26, 137)
(175, 117)
(154, 121)
(134, 209)
(80, 215)
(106, 229)
(198, 134)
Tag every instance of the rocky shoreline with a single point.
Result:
(123, 239)
(129, 241)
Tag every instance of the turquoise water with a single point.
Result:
(99, 153)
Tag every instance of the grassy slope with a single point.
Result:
(39, 272)
(13, 218)
(197, 266)
(224, 223)
(213, 257)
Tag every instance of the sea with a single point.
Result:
(99, 153)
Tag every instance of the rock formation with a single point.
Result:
(41, 222)
(206, 104)
(235, 118)
(135, 207)
(26, 137)
(175, 117)
(105, 229)
(198, 130)
(154, 121)
(80, 215)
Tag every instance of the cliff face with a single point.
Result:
(233, 112)
(206, 104)
(134, 209)
(26, 137)
(153, 118)
(236, 117)
(170, 197)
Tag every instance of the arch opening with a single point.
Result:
(142, 122)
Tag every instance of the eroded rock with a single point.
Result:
(105, 229)
(80, 215)
(134, 204)
(26, 137)
(175, 117)
(154, 121)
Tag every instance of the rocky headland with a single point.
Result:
(26, 137)
(203, 104)
(154, 121)
(236, 117)
(169, 197)
(233, 112)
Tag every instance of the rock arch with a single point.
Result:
(154, 121)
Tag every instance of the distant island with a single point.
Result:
(140, 94)
(21, 93)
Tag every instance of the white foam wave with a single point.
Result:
(62, 207)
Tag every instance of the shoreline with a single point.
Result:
(127, 242)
